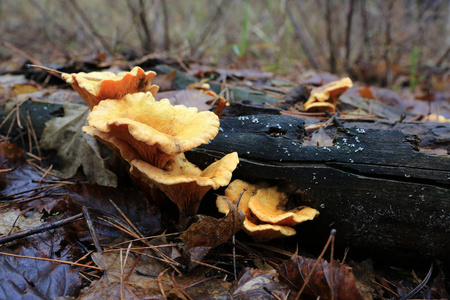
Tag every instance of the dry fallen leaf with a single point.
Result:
(23, 278)
(12, 221)
(257, 284)
(344, 285)
(75, 148)
(164, 81)
(121, 282)
(212, 232)
(366, 92)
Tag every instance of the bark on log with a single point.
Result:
(373, 186)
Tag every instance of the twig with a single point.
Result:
(270, 248)
(35, 189)
(178, 287)
(21, 53)
(210, 266)
(334, 118)
(271, 293)
(165, 257)
(305, 283)
(40, 229)
(147, 238)
(32, 134)
(234, 238)
(161, 288)
(331, 266)
(420, 286)
(52, 260)
(134, 264)
(90, 225)
(171, 263)
(54, 72)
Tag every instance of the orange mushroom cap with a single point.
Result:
(97, 86)
(155, 129)
(267, 205)
(264, 222)
(327, 96)
(267, 232)
(183, 182)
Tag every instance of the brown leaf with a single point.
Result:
(165, 81)
(344, 285)
(212, 232)
(23, 278)
(145, 217)
(17, 175)
(193, 98)
(257, 284)
(366, 92)
(121, 282)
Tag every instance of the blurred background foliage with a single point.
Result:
(381, 42)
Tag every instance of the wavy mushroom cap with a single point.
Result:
(183, 182)
(156, 129)
(268, 203)
(262, 206)
(232, 193)
(327, 96)
(260, 232)
(97, 86)
(266, 232)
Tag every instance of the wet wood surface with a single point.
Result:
(372, 185)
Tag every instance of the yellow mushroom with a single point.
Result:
(326, 97)
(262, 206)
(154, 129)
(267, 205)
(183, 182)
(97, 86)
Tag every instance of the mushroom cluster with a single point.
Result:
(263, 207)
(152, 136)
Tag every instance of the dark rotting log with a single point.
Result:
(372, 185)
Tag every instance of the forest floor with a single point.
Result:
(74, 225)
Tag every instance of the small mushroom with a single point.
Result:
(156, 130)
(183, 182)
(267, 232)
(97, 86)
(259, 232)
(264, 221)
(267, 205)
(326, 97)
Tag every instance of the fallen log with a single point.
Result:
(372, 185)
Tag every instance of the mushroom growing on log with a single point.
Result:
(373, 186)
